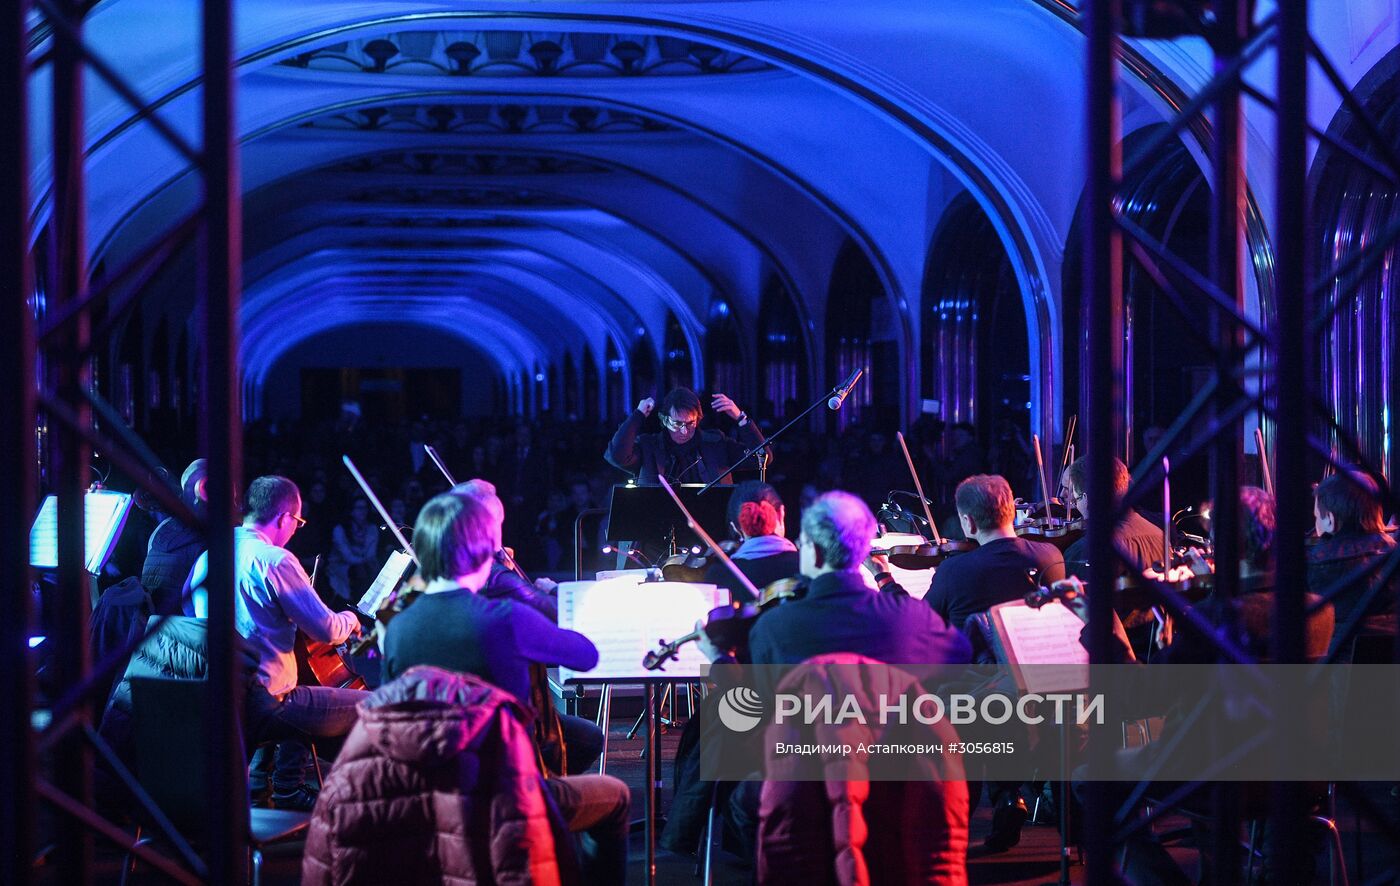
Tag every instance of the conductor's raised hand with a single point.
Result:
(646, 406)
(725, 406)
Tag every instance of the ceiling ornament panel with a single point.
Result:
(438, 196)
(441, 222)
(489, 119)
(448, 164)
(526, 54)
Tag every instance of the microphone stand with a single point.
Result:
(768, 443)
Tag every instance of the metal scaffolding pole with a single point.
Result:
(1231, 34)
(17, 486)
(1102, 309)
(1293, 367)
(67, 395)
(221, 429)
(70, 456)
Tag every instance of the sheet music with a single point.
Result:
(384, 583)
(1047, 640)
(626, 619)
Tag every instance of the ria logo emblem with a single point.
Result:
(740, 709)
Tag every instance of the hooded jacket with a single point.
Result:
(849, 828)
(437, 783)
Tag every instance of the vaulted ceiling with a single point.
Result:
(534, 180)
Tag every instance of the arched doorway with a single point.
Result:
(855, 340)
(783, 368)
(975, 349)
(1165, 357)
(617, 404)
(591, 389)
(645, 380)
(1352, 208)
(570, 405)
(724, 354)
(679, 370)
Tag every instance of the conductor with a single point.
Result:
(682, 453)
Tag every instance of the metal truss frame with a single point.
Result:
(45, 363)
(1286, 392)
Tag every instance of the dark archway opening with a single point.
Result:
(1165, 360)
(783, 366)
(975, 349)
(851, 322)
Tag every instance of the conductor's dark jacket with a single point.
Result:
(648, 456)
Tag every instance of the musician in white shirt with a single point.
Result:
(273, 598)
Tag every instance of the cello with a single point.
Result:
(330, 664)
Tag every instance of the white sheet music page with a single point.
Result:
(1045, 636)
(625, 620)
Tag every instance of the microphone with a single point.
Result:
(840, 394)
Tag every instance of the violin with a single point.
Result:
(926, 555)
(692, 565)
(923, 556)
(741, 616)
(727, 627)
(1039, 523)
(1050, 520)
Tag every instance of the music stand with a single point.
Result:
(624, 619)
(646, 514)
(1047, 638)
(104, 515)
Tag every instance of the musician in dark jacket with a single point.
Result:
(841, 613)
(765, 555)
(1003, 567)
(1134, 534)
(583, 740)
(682, 453)
(454, 627)
(174, 547)
(1351, 535)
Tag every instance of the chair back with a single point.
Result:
(172, 747)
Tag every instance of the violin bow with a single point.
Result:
(437, 460)
(1264, 461)
(1070, 427)
(1166, 518)
(1040, 468)
(379, 506)
(918, 487)
(506, 559)
(709, 542)
(1067, 456)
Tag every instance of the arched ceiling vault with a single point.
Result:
(805, 108)
(554, 313)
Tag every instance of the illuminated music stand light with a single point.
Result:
(105, 514)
